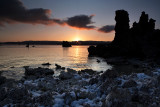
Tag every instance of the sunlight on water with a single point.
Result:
(13, 58)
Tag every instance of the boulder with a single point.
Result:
(69, 97)
(46, 64)
(3, 93)
(117, 98)
(44, 99)
(109, 74)
(85, 94)
(88, 71)
(18, 94)
(38, 71)
(72, 71)
(2, 80)
(158, 78)
(59, 67)
(93, 81)
(65, 75)
(129, 83)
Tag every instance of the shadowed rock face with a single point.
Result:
(141, 40)
(122, 27)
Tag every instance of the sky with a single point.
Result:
(59, 20)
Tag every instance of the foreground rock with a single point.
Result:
(2, 79)
(38, 71)
(86, 88)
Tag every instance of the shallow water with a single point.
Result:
(14, 57)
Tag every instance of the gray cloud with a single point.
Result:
(80, 21)
(13, 11)
(106, 29)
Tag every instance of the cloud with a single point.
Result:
(106, 29)
(13, 11)
(81, 22)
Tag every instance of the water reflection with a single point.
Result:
(65, 51)
(75, 57)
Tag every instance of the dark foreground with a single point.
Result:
(86, 88)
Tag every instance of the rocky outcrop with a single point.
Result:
(141, 40)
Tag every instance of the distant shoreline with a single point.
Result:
(56, 43)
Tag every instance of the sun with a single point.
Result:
(77, 39)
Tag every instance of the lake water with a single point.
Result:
(14, 57)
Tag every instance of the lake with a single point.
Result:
(14, 57)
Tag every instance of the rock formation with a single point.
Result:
(141, 40)
(122, 27)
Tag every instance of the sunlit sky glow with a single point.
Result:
(104, 11)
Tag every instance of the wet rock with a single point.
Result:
(59, 67)
(69, 97)
(129, 83)
(44, 99)
(46, 64)
(93, 81)
(109, 74)
(3, 93)
(38, 71)
(84, 95)
(158, 78)
(65, 75)
(117, 98)
(89, 71)
(72, 71)
(145, 99)
(12, 67)
(2, 80)
(145, 88)
(18, 94)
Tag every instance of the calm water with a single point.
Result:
(75, 57)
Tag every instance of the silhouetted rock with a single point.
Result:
(121, 28)
(66, 44)
(59, 67)
(141, 40)
(88, 71)
(38, 71)
(92, 50)
(46, 64)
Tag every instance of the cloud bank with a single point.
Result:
(13, 11)
(106, 29)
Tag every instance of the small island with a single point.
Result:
(66, 44)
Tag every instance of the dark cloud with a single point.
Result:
(80, 21)
(13, 11)
(106, 29)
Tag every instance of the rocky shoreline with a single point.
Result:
(86, 88)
